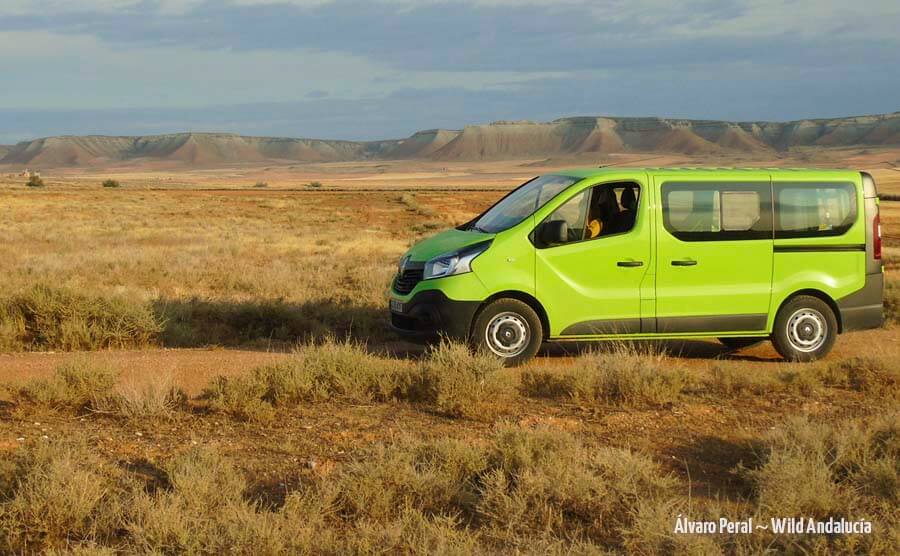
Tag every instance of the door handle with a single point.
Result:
(630, 263)
(684, 262)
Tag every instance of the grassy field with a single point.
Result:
(313, 430)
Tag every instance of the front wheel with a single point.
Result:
(805, 329)
(509, 329)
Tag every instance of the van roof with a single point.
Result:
(794, 173)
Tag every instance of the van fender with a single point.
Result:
(524, 297)
(814, 292)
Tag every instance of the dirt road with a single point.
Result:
(192, 369)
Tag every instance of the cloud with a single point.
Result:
(424, 63)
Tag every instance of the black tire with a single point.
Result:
(508, 329)
(740, 343)
(805, 329)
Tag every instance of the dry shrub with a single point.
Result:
(45, 317)
(892, 302)
(626, 376)
(435, 478)
(730, 381)
(240, 397)
(544, 483)
(871, 375)
(329, 370)
(453, 380)
(525, 488)
(77, 385)
(57, 495)
(815, 468)
(846, 469)
(144, 397)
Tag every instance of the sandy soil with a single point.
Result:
(192, 369)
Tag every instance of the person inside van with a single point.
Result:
(603, 211)
(624, 219)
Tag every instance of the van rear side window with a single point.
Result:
(717, 211)
(814, 209)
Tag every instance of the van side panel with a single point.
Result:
(832, 264)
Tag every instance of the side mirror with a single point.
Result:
(554, 231)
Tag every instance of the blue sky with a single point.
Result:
(382, 69)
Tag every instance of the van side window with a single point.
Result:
(596, 212)
(814, 209)
(717, 211)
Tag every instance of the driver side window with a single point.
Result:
(599, 211)
(573, 213)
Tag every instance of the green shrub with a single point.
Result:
(111, 183)
(314, 185)
(261, 184)
(34, 181)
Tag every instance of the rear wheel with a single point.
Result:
(740, 343)
(508, 329)
(805, 329)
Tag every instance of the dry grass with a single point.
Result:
(44, 317)
(451, 380)
(845, 469)
(505, 488)
(78, 385)
(55, 496)
(146, 397)
(626, 375)
(524, 488)
(408, 458)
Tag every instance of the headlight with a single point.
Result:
(458, 262)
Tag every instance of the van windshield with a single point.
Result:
(521, 203)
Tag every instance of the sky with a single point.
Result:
(346, 69)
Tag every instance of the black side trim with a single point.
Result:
(712, 323)
(817, 248)
(612, 326)
(864, 308)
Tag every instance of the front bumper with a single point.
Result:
(431, 313)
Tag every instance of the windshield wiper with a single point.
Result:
(474, 227)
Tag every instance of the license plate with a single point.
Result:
(396, 306)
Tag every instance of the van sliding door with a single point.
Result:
(714, 255)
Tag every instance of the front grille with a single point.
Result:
(405, 282)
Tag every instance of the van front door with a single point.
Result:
(592, 254)
(714, 255)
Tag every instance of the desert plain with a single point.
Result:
(198, 361)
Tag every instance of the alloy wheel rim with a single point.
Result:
(507, 334)
(807, 330)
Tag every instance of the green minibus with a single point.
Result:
(741, 255)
